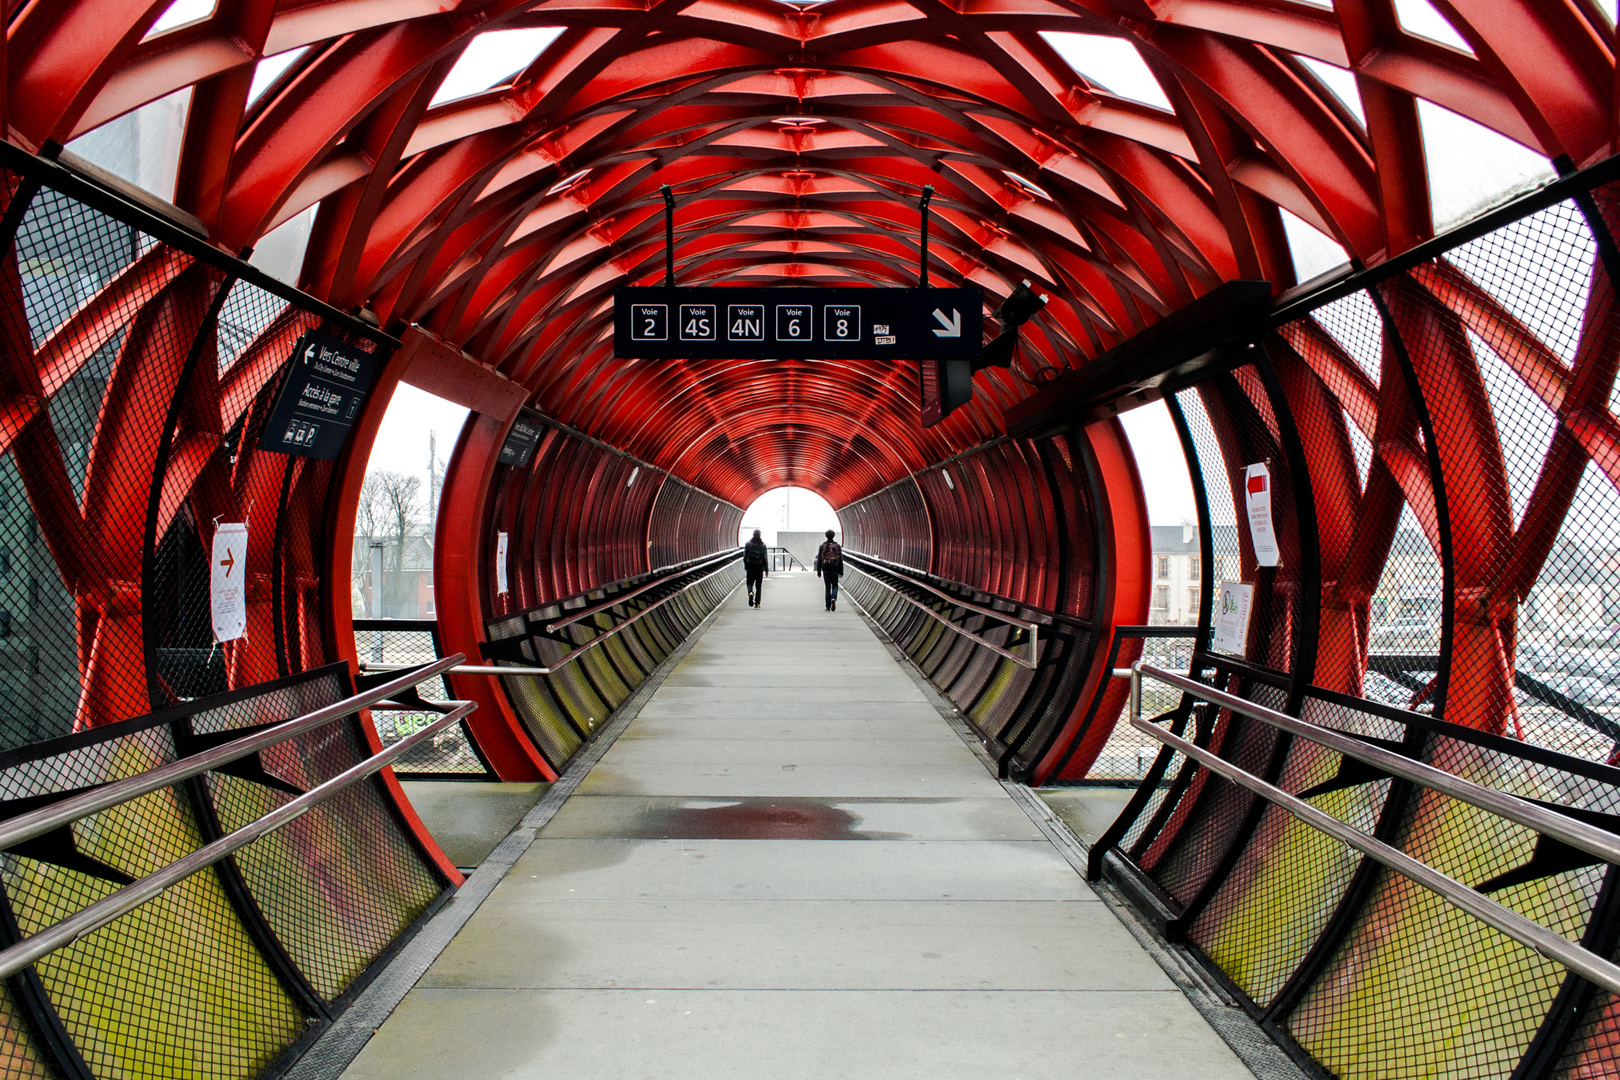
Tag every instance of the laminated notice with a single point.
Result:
(1257, 494)
(500, 564)
(1232, 617)
(227, 582)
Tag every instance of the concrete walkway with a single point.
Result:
(790, 866)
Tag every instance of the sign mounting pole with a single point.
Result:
(669, 236)
(922, 268)
(922, 278)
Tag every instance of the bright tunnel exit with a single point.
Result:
(791, 517)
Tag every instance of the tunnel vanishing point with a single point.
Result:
(1331, 768)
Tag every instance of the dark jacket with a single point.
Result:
(830, 559)
(755, 557)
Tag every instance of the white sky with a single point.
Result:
(1165, 480)
(1111, 63)
(491, 58)
(789, 509)
(180, 13)
(402, 439)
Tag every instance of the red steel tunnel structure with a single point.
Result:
(1438, 417)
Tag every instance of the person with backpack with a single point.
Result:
(755, 559)
(830, 565)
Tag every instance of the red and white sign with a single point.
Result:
(227, 582)
(500, 563)
(1257, 493)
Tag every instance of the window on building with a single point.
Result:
(1192, 603)
(1192, 566)
(1161, 597)
(1569, 605)
(1164, 566)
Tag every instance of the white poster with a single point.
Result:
(500, 564)
(227, 589)
(1257, 492)
(1232, 618)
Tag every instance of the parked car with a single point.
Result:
(1410, 633)
(1593, 693)
(1591, 637)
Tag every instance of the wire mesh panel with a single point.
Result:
(1188, 851)
(1128, 753)
(176, 987)
(100, 312)
(1290, 878)
(20, 1054)
(347, 857)
(1233, 427)
(450, 753)
(146, 364)
(1455, 410)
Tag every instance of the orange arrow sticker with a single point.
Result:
(228, 562)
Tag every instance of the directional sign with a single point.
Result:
(227, 582)
(521, 440)
(745, 323)
(320, 399)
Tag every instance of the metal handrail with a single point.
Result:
(531, 671)
(792, 559)
(900, 571)
(1588, 838)
(39, 822)
(1034, 630)
(586, 613)
(1533, 935)
(89, 919)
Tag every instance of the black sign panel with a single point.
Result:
(724, 323)
(521, 440)
(320, 399)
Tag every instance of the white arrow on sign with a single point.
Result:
(952, 325)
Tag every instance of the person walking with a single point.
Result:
(830, 565)
(755, 559)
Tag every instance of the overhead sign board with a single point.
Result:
(744, 323)
(320, 398)
(521, 439)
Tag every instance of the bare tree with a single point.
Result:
(371, 515)
(370, 525)
(400, 496)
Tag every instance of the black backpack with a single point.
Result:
(831, 560)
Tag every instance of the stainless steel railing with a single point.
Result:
(783, 560)
(1540, 819)
(89, 919)
(534, 672)
(1032, 661)
(724, 556)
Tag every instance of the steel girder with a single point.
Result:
(797, 138)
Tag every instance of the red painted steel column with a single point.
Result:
(1131, 556)
(339, 615)
(457, 589)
